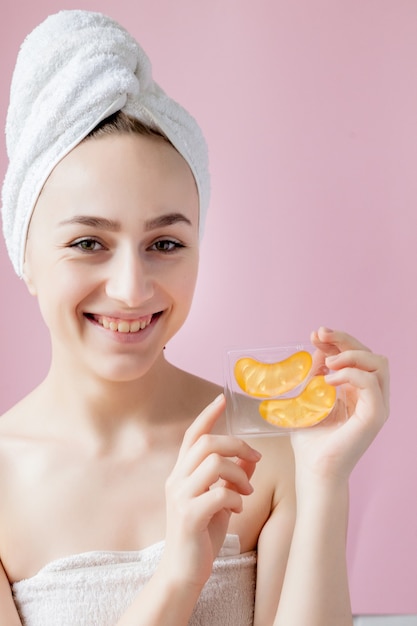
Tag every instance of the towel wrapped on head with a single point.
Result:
(73, 71)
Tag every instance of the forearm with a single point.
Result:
(161, 603)
(315, 589)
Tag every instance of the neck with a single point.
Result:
(106, 409)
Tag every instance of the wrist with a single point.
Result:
(318, 492)
(164, 601)
(321, 478)
(173, 576)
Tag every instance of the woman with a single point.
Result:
(124, 501)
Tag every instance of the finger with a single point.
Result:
(249, 469)
(213, 501)
(203, 423)
(361, 359)
(371, 399)
(366, 361)
(335, 341)
(370, 413)
(222, 445)
(247, 466)
(215, 470)
(358, 378)
(319, 366)
(198, 511)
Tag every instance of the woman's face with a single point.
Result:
(112, 253)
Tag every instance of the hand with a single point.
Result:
(333, 449)
(210, 477)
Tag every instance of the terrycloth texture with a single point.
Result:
(73, 71)
(95, 588)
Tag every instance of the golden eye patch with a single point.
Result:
(265, 380)
(310, 407)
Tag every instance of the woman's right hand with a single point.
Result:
(208, 481)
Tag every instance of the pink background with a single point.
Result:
(310, 110)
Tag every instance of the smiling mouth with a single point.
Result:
(123, 326)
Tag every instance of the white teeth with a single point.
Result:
(124, 326)
(134, 327)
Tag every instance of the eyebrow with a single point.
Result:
(103, 223)
(166, 220)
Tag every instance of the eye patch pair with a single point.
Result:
(268, 380)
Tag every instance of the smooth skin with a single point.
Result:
(114, 237)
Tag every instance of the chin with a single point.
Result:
(125, 372)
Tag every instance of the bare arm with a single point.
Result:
(207, 484)
(315, 588)
(8, 612)
(161, 603)
(305, 574)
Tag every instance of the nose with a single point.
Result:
(129, 279)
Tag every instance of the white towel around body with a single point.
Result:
(95, 588)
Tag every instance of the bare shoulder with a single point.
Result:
(18, 439)
(15, 446)
(18, 417)
(276, 450)
(8, 612)
(273, 495)
(276, 468)
(11, 429)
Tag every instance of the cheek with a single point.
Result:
(179, 287)
(37, 261)
(59, 292)
(187, 283)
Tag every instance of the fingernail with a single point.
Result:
(255, 454)
(218, 399)
(331, 358)
(326, 329)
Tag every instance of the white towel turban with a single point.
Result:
(74, 70)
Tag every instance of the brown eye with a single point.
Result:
(166, 245)
(87, 245)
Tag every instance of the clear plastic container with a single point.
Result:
(274, 391)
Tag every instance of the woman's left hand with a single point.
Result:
(331, 450)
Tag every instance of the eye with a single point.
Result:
(87, 244)
(166, 245)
